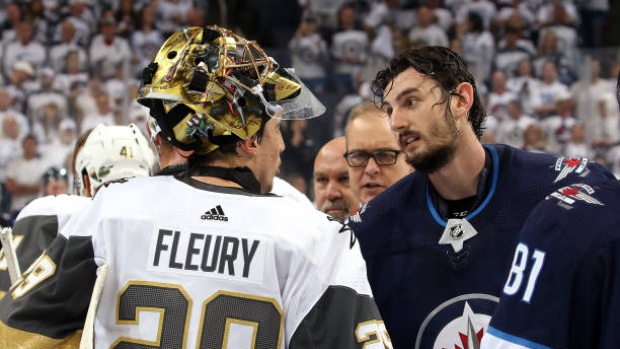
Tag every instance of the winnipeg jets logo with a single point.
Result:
(567, 166)
(570, 194)
(458, 323)
(456, 232)
(466, 331)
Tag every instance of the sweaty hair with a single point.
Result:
(440, 64)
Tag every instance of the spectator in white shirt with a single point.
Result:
(145, 40)
(22, 82)
(103, 114)
(24, 48)
(478, 48)
(58, 53)
(500, 95)
(46, 94)
(350, 49)
(309, 54)
(511, 130)
(426, 30)
(23, 175)
(578, 146)
(549, 50)
(11, 21)
(8, 112)
(172, 15)
(83, 21)
(108, 50)
(543, 96)
(486, 9)
(57, 151)
(565, 27)
(586, 93)
(512, 49)
(522, 83)
(558, 127)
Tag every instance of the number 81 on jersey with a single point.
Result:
(520, 268)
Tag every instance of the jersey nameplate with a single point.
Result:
(229, 255)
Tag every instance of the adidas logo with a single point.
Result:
(216, 214)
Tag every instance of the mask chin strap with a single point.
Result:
(240, 175)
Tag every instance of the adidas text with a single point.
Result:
(211, 217)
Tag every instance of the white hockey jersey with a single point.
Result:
(192, 265)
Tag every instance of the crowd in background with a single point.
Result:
(541, 67)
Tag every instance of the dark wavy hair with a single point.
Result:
(438, 63)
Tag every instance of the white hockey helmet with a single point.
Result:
(113, 153)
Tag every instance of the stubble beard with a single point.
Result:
(437, 155)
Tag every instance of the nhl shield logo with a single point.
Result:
(457, 231)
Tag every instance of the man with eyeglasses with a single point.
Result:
(332, 190)
(368, 135)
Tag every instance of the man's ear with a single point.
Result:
(461, 103)
(249, 146)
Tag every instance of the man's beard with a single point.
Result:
(337, 204)
(437, 156)
(434, 159)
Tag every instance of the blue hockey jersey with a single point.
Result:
(437, 281)
(563, 288)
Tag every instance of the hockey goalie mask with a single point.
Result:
(208, 87)
(112, 153)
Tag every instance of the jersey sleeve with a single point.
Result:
(47, 308)
(563, 288)
(36, 227)
(31, 235)
(580, 314)
(344, 315)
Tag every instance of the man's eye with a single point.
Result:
(411, 102)
(384, 156)
(358, 156)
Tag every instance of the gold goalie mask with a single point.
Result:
(209, 86)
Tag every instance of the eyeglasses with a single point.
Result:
(382, 157)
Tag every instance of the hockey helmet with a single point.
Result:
(208, 86)
(113, 153)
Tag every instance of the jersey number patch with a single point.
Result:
(520, 268)
(220, 313)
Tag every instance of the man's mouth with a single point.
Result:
(406, 139)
